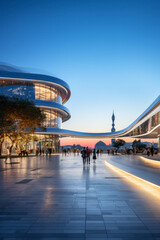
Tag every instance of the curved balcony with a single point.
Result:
(13, 78)
(47, 105)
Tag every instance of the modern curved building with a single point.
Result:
(46, 92)
(50, 94)
(147, 125)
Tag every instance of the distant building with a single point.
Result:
(100, 145)
(79, 147)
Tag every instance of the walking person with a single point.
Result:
(148, 152)
(43, 151)
(83, 152)
(152, 150)
(94, 155)
(8, 155)
(88, 153)
(50, 151)
(47, 152)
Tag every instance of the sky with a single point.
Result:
(108, 52)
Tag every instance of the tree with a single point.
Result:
(19, 119)
(118, 143)
(6, 122)
(138, 144)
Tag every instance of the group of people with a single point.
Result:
(86, 153)
(46, 151)
(149, 151)
(68, 151)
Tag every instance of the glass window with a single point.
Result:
(144, 127)
(42, 93)
(53, 119)
(53, 95)
(59, 122)
(36, 91)
(155, 120)
(59, 99)
(47, 119)
(136, 131)
(22, 91)
(46, 93)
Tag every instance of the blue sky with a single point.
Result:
(107, 51)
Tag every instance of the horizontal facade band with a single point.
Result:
(47, 105)
(38, 78)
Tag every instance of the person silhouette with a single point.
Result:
(83, 152)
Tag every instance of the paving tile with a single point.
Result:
(58, 198)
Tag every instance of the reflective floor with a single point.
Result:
(58, 198)
(141, 167)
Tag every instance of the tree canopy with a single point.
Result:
(19, 118)
(118, 143)
(138, 144)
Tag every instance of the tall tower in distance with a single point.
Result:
(113, 128)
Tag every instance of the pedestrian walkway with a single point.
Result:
(155, 157)
(58, 198)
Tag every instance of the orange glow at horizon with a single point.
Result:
(86, 142)
(83, 142)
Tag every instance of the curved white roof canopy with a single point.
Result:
(144, 118)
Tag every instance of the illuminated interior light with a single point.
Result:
(147, 186)
(151, 162)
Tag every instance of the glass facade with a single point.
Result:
(38, 89)
(22, 91)
(47, 93)
(33, 92)
(155, 120)
(44, 142)
(136, 131)
(53, 119)
(144, 127)
(37, 92)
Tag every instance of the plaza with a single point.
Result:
(58, 198)
(75, 75)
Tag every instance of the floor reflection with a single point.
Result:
(57, 197)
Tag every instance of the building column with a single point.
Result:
(159, 144)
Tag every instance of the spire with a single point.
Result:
(113, 125)
(113, 117)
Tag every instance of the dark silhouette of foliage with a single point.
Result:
(138, 144)
(118, 143)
